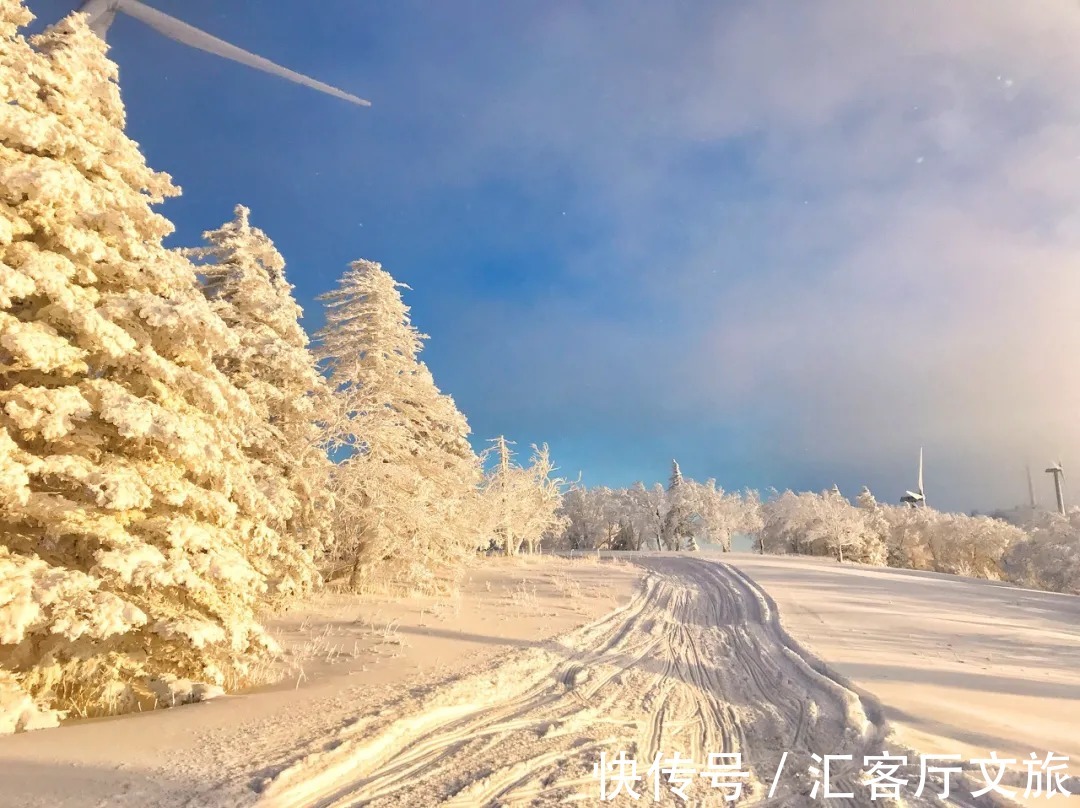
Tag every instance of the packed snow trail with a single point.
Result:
(696, 663)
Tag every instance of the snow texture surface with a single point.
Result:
(764, 654)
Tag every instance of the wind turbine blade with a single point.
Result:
(100, 14)
(101, 25)
(189, 35)
(920, 472)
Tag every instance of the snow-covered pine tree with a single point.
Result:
(407, 481)
(128, 510)
(244, 278)
(678, 527)
(875, 546)
(452, 470)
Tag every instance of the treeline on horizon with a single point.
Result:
(1030, 547)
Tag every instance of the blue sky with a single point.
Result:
(786, 243)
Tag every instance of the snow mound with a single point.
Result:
(172, 691)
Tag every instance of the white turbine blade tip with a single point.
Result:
(189, 35)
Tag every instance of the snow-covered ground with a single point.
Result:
(359, 655)
(508, 693)
(696, 664)
(962, 666)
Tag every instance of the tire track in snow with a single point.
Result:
(697, 662)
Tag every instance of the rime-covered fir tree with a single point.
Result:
(129, 514)
(244, 278)
(678, 528)
(406, 484)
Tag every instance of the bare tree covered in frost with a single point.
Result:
(591, 518)
(131, 523)
(501, 489)
(872, 533)
(645, 518)
(523, 504)
(641, 518)
(837, 527)
(244, 279)
(826, 524)
(543, 497)
(752, 514)
(924, 539)
(406, 486)
(721, 514)
(786, 519)
(612, 518)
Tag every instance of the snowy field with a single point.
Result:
(358, 654)
(962, 666)
(506, 693)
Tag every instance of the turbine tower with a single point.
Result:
(101, 13)
(1059, 488)
(1031, 489)
(916, 498)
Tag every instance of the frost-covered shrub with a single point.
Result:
(19, 712)
(911, 538)
(926, 539)
(1049, 558)
(786, 522)
(824, 524)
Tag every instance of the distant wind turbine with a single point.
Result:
(1059, 488)
(916, 498)
(101, 13)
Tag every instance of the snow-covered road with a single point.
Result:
(697, 664)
